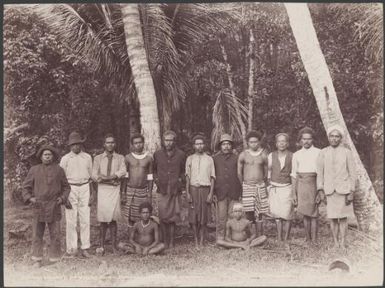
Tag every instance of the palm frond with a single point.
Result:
(164, 58)
(87, 40)
(368, 19)
(225, 119)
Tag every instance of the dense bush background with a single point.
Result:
(49, 87)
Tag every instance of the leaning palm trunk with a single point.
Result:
(144, 85)
(232, 91)
(251, 80)
(367, 207)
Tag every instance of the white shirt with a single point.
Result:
(77, 167)
(305, 161)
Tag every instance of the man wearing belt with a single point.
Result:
(77, 166)
(107, 170)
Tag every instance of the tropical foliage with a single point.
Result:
(74, 74)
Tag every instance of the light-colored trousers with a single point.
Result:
(79, 198)
(224, 212)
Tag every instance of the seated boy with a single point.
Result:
(239, 232)
(144, 236)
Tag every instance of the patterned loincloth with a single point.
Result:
(254, 198)
(134, 197)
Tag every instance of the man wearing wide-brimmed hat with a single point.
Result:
(46, 188)
(78, 168)
(336, 177)
(227, 188)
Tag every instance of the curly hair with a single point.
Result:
(145, 205)
(253, 133)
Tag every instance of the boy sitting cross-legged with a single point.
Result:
(239, 232)
(144, 237)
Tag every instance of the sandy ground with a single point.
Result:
(270, 265)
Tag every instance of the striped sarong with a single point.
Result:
(255, 199)
(134, 197)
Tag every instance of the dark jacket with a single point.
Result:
(226, 182)
(169, 171)
(46, 183)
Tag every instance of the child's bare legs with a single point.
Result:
(157, 249)
(127, 248)
(306, 224)
(258, 241)
(279, 229)
(286, 229)
(334, 228)
(232, 244)
(314, 229)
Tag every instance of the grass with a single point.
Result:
(269, 265)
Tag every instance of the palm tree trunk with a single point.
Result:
(144, 85)
(367, 207)
(232, 91)
(251, 80)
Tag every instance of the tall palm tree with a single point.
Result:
(144, 85)
(366, 204)
(97, 32)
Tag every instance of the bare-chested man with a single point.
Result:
(252, 173)
(140, 179)
(239, 232)
(144, 237)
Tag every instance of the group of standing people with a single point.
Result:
(245, 188)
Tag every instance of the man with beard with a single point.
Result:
(336, 177)
(168, 171)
